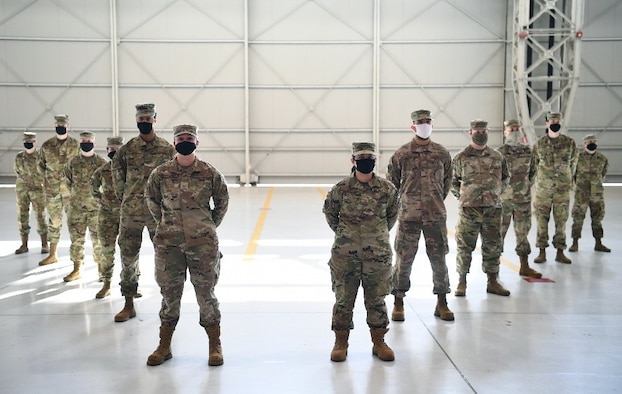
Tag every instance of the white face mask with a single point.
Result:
(423, 130)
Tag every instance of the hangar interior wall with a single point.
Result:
(280, 88)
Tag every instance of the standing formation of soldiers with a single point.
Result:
(181, 200)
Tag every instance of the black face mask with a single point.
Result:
(29, 145)
(144, 127)
(185, 147)
(60, 130)
(111, 154)
(592, 146)
(365, 165)
(555, 127)
(86, 146)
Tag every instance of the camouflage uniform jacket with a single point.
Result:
(102, 187)
(27, 171)
(522, 166)
(591, 172)
(422, 175)
(131, 167)
(556, 160)
(362, 213)
(480, 177)
(53, 156)
(179, 201)
(78, 172)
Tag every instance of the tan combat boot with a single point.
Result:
(561, 258)
(51, 257)
(380, 348)
(599, 247)
(575, 245)
(340, 350)
(105, 290)
(442, 310)
(44, 244)
(163, 352)
(494, 287)
(398, 309)
(525, 270)
(127, 312)
(75, 274)
(462, 285)
(541, 257)
(215, 348)
(24, 247)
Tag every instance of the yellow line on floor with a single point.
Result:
(251, 249)
(322, 193)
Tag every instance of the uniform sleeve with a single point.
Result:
(532, 169)
(96, 182)
(505, 174)
(448, 175)
(605, 167)
(456, 178)
(41, 163)
(67, 175)
(153, 195)
(394, 172)
(119, 170)
(574, 158)
(392, 207)
(17, 166)
(221, 199)
(332, 207)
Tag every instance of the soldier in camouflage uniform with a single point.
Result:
(108, 216)
(131, 167)
(480, 175)
(178, 195)
(29, 190)
(421, 171)
(591, 170)
(516, 199)
(53, 155)
(556, 159)
(82, 213)
(361, 209)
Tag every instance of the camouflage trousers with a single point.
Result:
(547, 199)
(406, 247)
(25, 197)
(521, 215)
(108, 228)
(130, 240)
(171, 265)
(472, 222)
(56, 204)
(348, 272)
(596, 204)
(78, 221)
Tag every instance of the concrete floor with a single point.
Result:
(563, 336)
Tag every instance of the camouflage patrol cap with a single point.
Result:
(29, 136)
(511, 122)
(185, 129)
(590, 137)
(145, 109)
(114, 141)
(553, 115)
(479, 124)
(61, 119)
(421, 114)
(363, 148)
(87, 134)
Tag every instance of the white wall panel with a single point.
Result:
(311, 85)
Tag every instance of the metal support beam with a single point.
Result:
(546, 59)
